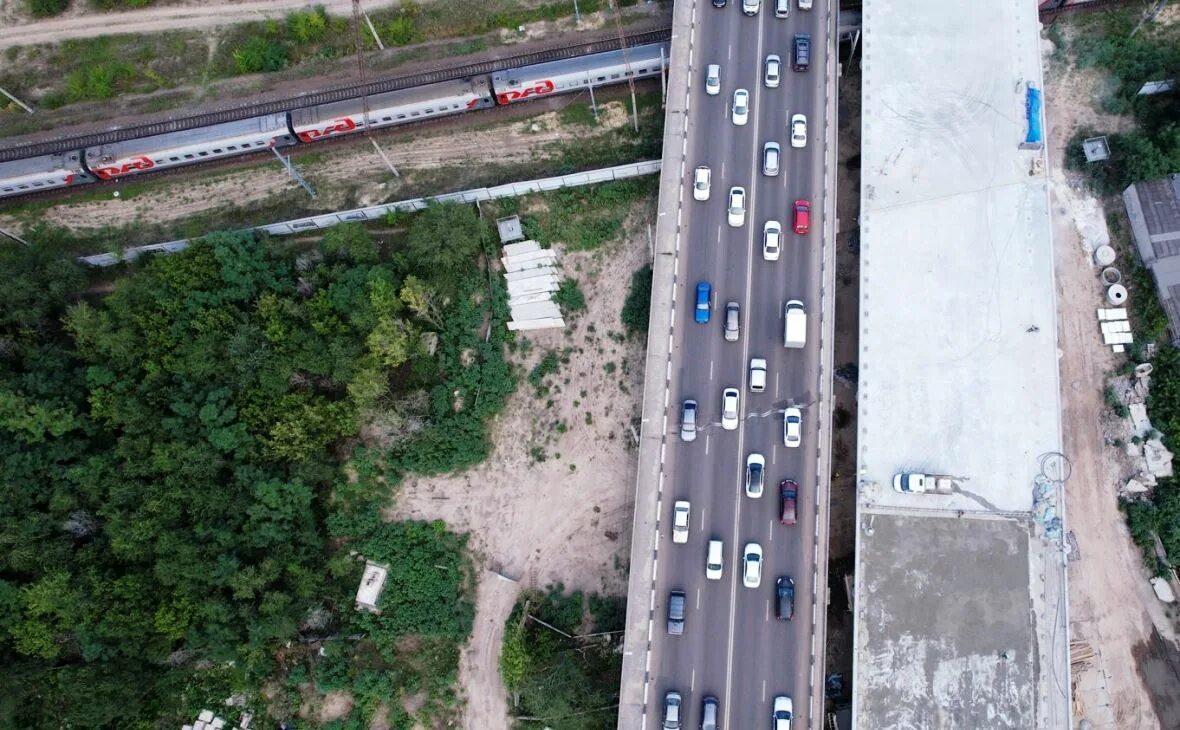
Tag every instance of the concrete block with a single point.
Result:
(1163, 591)
(1159, 459)
(205, 716)
(1139, 420)
(540, 310)
(537, 324)
(1134, 486)
(523, 247)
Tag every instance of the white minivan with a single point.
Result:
(713, 561)
(782, 8)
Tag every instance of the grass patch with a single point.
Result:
(587, 217)
(569, 297)
(637, 305)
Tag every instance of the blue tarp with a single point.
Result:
(1032, 106)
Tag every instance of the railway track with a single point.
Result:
(389, 83)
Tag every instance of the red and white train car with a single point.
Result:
(598, 69)
(392, 107)
(46, 172)
(174, 149)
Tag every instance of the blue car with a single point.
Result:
(704, 302)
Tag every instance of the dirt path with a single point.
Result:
(21, 30)
(565, 519)
(1112, 606)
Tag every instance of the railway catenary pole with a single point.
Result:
(16, 101)
(593, 105)
(360, 63)
(626, 63)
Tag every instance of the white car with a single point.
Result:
(798, 131)
(702, 183)
(737, 207)
(680, 514)
(771, 152)
(805, 4)
(752, 565)
(783, 711)
(792, 427)
(772, 240)
(729, 409)
(750, 7)
(755, 475)
(713, 79)
(741, 107)
(773, 74)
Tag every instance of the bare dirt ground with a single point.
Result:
(565, 518)
(342, 174)
(1131, 683)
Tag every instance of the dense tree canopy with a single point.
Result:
(170, 462)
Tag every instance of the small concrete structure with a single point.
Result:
(1096, 149)
(372, 583)
(509, 229)
(1153, 208)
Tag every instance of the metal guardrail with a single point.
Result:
(392, 83)
(375, 212)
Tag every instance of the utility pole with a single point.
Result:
(360, 64)
(626, 63)
(294, 173)
(15, 237)
(380, 45)
(593, 106)
(16, 101)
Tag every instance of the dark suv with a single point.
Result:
(802, 51)
(784, 591)
(676, 601)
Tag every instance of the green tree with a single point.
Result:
(444, 244)
(260, 54)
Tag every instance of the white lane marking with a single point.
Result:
(776, 385)
(730, 56)
(702, 519)
(723, 178)
(698, 599)
(706, 444)
(774, 455)
(770, 532)
(767, 619)
(764, 690)
(692, 683)
(710, 371)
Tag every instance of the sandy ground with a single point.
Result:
(567, 518)
(334, 171)
(1131, 683)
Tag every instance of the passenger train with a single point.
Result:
(308, 124)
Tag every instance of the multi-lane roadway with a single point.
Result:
(733, 647)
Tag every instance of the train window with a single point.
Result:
(401, 116)
(387, 119)
(413, 114)
(22, 187)
(217, 152)
(188, 157)
(602, 78)
(231, 148)
(430, 111)
(174, 159)
(614, 76)
(203, 154)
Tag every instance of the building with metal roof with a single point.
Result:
(1153, 208)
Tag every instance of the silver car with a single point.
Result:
(741, 107)
(771, 153)
(773, 73)
(688, 421)
(732, 321)
(672, 711)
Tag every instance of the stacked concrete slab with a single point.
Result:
(532, 276)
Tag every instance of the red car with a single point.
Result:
(802, 216)
(789, 491)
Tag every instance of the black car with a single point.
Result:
(802, 51)
(676, 604)
(784, 590)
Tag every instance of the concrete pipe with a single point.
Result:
(1104, 255)
(1111, 275)
(1117, 295)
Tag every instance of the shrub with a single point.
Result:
(46, 8)
(260, 54)
(569, 297)
(308, 26)
(637, 306)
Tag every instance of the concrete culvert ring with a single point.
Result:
(1111, 275)
(1117, 295)
(1104, 255)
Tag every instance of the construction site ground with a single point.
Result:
(553, 503)
(1131, 680)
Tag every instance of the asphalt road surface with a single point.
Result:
(733, 648)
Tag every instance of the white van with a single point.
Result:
(782, 8)
(794, 325)
(713, 561)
